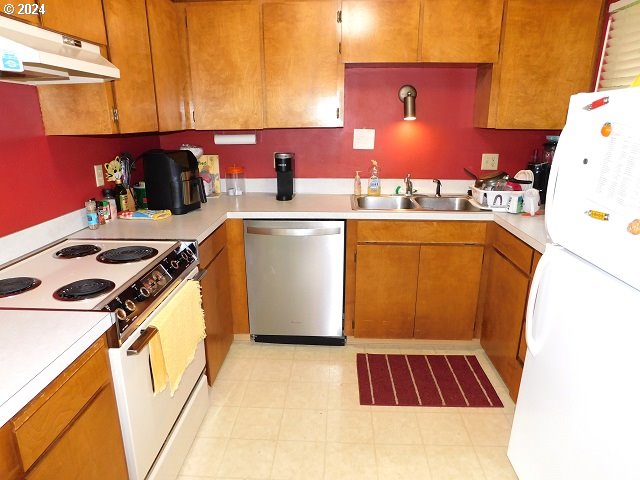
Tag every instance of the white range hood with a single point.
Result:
(35, 56)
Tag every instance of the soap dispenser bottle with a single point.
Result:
(357, 184)
(374, 180)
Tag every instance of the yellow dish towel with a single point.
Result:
(181, 327)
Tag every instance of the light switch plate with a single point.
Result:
(97, 170)
(489, 161)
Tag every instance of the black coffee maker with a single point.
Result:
(283, 164)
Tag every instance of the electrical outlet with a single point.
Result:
(97, 170)
(489, 161)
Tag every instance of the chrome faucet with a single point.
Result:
(438, 186)
(408, 185)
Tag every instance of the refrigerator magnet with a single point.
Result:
(606, 129)
(634, 227)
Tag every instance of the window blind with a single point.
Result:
(620, 62)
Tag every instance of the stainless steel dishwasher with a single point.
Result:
(295, 280)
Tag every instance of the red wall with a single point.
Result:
(437, 145)
(44, 177)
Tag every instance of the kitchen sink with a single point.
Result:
(459, 203)
(455, 204)
(383, 202)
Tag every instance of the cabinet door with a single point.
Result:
(130, 51)
(10, 467)
(504, 309)
(380, 30)
(537, 72)
(303, 72)
(386, 277)
(78, 18)
(225, 45)
(216, 303)
(77, 109)
(169, 64)
(16, 15)
(461, 30)
(91, 448)
(448, 286)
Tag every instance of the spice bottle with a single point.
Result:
(109, 196)
(122, 198)
(92, 214)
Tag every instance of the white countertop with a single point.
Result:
(199, 224)
(37, 346)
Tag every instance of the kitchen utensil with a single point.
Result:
(526, 175)
(491, 180)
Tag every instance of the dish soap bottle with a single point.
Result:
(357, 185)
(374, 180)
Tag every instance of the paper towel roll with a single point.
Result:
(241, 139)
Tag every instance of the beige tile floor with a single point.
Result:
(292, 412)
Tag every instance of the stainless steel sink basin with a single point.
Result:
(454, 204)
(383, 202)
(413, 202)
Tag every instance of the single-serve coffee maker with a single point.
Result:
(283, 164)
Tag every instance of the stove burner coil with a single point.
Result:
(127, 254)
(83, 289)
(16, 285)
(75, 251)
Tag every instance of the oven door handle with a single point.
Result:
(200, 275)
(146, 335)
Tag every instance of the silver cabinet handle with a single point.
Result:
(294, 232)
(142, 341)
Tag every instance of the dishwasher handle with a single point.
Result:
(294, 232)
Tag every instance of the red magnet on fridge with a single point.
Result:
(598, 103)
(606, 129)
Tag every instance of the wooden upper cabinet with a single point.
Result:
(461, 31)
(77, 18)
(77, 109)
(380, 30)
(225, 45)
(16, 15)
(129, 50)
(548, 53)
(303, 72)
(169, 64)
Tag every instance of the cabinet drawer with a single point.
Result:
(212, 245)
(421, 232)
(46, 416)
(514, 249)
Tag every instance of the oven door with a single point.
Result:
(148, 420)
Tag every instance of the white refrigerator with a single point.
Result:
(578, 410)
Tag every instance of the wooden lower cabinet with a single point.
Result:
(71, 429)
(510, 266)
(216, 300)
(10, 466)
(447, 294)
(504, 309)
(386, 277)
(417, 279)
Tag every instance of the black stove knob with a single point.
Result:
(144, 293)
(121, 314)
(130, 305)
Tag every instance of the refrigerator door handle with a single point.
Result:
(535, 344)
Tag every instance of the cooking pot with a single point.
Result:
(491, 180)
